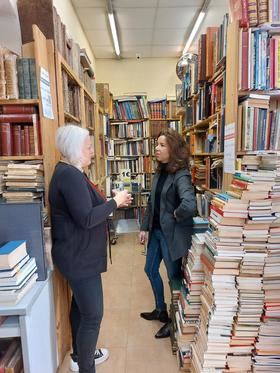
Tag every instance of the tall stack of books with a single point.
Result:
(219, 298)
(24, 181)
(189, 304)
(17, 272)
(266, 356)
(259, 186)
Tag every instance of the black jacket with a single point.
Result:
(79, 227)
(177, 196)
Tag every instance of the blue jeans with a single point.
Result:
(85, 317)
(158, 250)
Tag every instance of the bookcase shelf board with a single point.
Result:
(72, 117)
(22, 158)
(19, 102)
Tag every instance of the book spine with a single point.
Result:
(18, 109)
(16, 139)
(22, 141)
(244, 21)
(26, 78)
(262, 11)
(11, 76)
(20, 78)
(253, 13)
(16, 118)
(33, 78)
(6, 139)
(27, 146)
(2, 75)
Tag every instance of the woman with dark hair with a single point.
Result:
(168, 219)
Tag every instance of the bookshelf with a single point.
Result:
(202, 117)
(42, 149)
(128, 148)
(76, 104)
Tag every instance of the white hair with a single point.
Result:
(70, 139)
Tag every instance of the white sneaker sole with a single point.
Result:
(74, 367)
(104, 357)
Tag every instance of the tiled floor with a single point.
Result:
(130, 339)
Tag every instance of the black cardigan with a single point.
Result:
(78, 217)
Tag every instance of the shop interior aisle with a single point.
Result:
(130, 339)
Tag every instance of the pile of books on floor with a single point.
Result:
(189, 304)
(175, 286)
(17, 272)
(267, 347)
(219, 299)
(24, 181)
(11, 360)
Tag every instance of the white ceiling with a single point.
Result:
(151, 28)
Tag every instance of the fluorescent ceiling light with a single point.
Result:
(194, 31)
(114, 33)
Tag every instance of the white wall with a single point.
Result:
(10, 36)
(73, 26)
(155, 76)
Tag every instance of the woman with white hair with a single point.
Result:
(79, 231)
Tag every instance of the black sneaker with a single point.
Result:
(161, 316)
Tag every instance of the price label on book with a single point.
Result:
(45, 88)
(125, 175)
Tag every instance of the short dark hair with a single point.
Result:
(179, 151)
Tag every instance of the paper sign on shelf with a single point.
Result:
(45, 88)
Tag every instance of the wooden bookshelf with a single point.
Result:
(42, 50)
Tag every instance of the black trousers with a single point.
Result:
(85, 317)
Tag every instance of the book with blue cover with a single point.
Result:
(11, 253)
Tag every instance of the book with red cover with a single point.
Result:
(18, 109)
(27, 145)
(239, 12)
(17, 118)
(16, 139)
(34, 129)
(6, 139)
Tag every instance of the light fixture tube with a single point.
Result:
(114, 33)
(194, 31)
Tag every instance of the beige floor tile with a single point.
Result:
(114, 329)
(116, 362)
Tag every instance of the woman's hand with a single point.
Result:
(123, 198)
(142, 237)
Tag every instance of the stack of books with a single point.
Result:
(267, 347)
(17, 272)
(221, 259)
(189, 304)
(200, 225)
(24, 181)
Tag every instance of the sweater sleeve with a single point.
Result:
(187, 206)
(79, 203)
